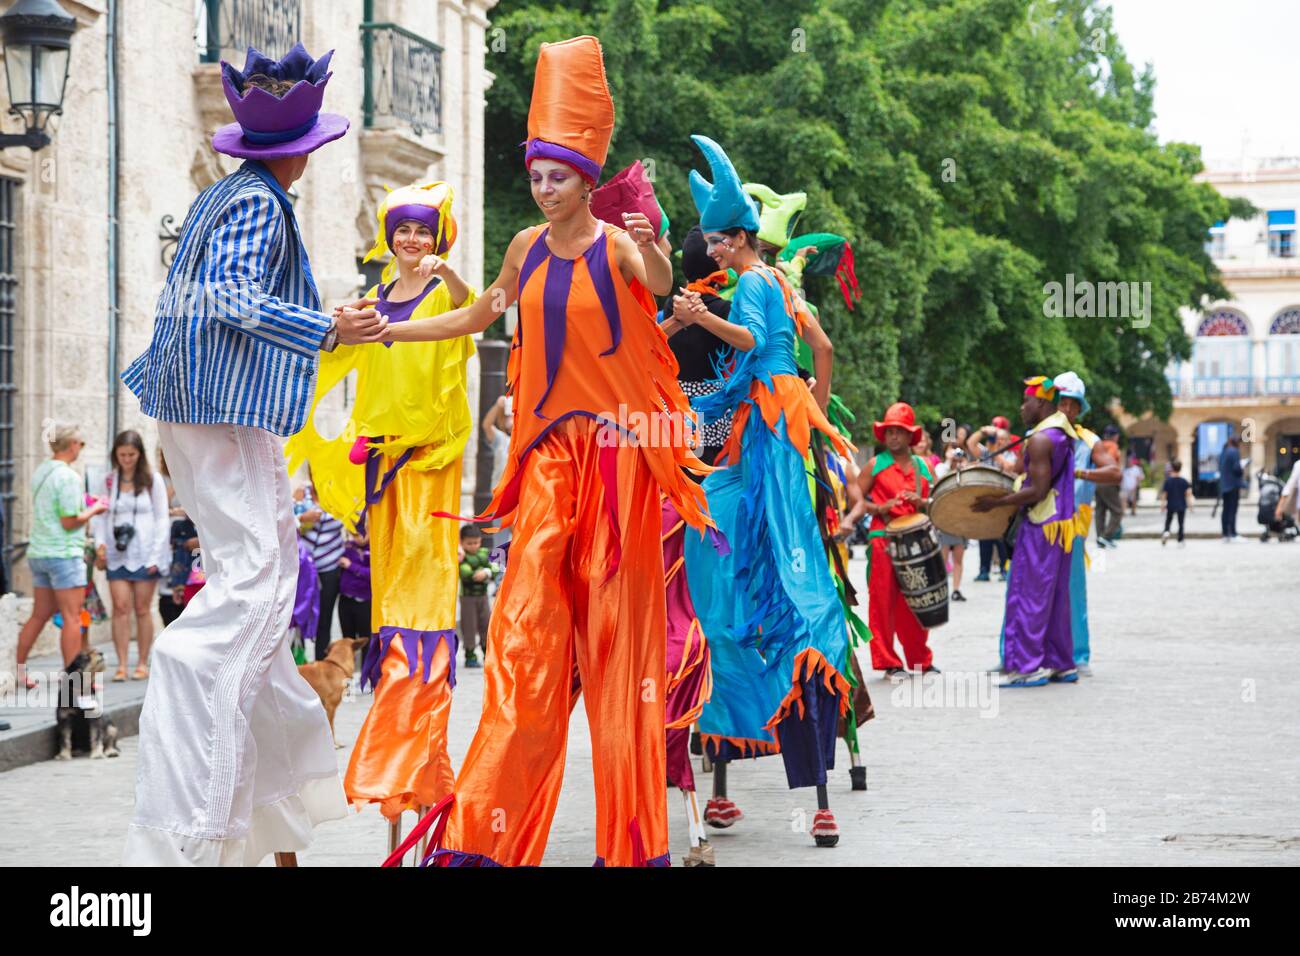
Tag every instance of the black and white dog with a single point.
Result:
(80, 706)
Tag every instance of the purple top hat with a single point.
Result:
(274, 127)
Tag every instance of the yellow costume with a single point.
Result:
(413, 407)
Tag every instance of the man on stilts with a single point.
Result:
(236, 756)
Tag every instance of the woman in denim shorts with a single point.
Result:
(56, 551)
(133, 544)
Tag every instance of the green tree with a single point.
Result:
(973, 151)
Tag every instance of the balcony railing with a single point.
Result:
(1282, 384)
(403, 79)
(1222, 386)
(227, 28)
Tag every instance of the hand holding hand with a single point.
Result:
(360, 326)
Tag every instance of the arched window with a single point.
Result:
(1286, 322)
(1284, 353)
(1221, 356)
(1223, 322)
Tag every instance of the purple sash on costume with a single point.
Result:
(1038, 594)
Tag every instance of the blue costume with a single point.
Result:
(769, 607)
(1084, 492)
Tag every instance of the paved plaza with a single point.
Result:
(1182, 749)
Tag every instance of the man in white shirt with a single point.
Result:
(1129, 483)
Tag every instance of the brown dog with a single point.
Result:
(330, 678)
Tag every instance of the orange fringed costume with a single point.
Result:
(598, 414)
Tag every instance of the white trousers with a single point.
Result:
(236, 758)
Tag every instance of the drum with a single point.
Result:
(918, 564)
(953, 498)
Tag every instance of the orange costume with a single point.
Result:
(598, 435)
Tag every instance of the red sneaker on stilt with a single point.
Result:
(721, 813)
(825, 831)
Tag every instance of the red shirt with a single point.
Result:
(891, 483)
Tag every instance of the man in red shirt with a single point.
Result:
(893, 483)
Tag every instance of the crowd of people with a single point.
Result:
(697, 583)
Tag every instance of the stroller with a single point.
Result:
(1270, 492)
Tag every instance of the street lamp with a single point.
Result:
(37, 38)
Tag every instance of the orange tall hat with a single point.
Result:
(571, 118)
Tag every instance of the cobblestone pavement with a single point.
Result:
(1182, 749)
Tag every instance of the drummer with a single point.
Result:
(893, 483)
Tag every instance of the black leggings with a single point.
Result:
(329, 594)
(1169, 517)
(354, 616)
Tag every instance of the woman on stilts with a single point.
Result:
(775, 623)
(581, 491)
(397, 461)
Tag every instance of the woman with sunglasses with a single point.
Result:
(56, 552)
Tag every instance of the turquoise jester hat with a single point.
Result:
(723, 204)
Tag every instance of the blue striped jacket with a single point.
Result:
(238, 326)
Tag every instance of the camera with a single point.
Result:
(122, 535)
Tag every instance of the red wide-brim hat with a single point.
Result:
(899, 415)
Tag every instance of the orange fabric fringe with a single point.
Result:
(789, 395)
(809, 663)
(743, 744)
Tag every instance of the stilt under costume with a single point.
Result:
(412, 404)
(775, 623)
(581, 493)
(1037, 621)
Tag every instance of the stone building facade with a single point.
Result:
(412, 81)
(1244, 374)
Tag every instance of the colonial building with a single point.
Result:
(88, 224)
(1245, 369)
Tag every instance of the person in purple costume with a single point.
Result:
(354, 588)
(1039, 645)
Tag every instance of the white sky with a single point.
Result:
(1225, 71)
